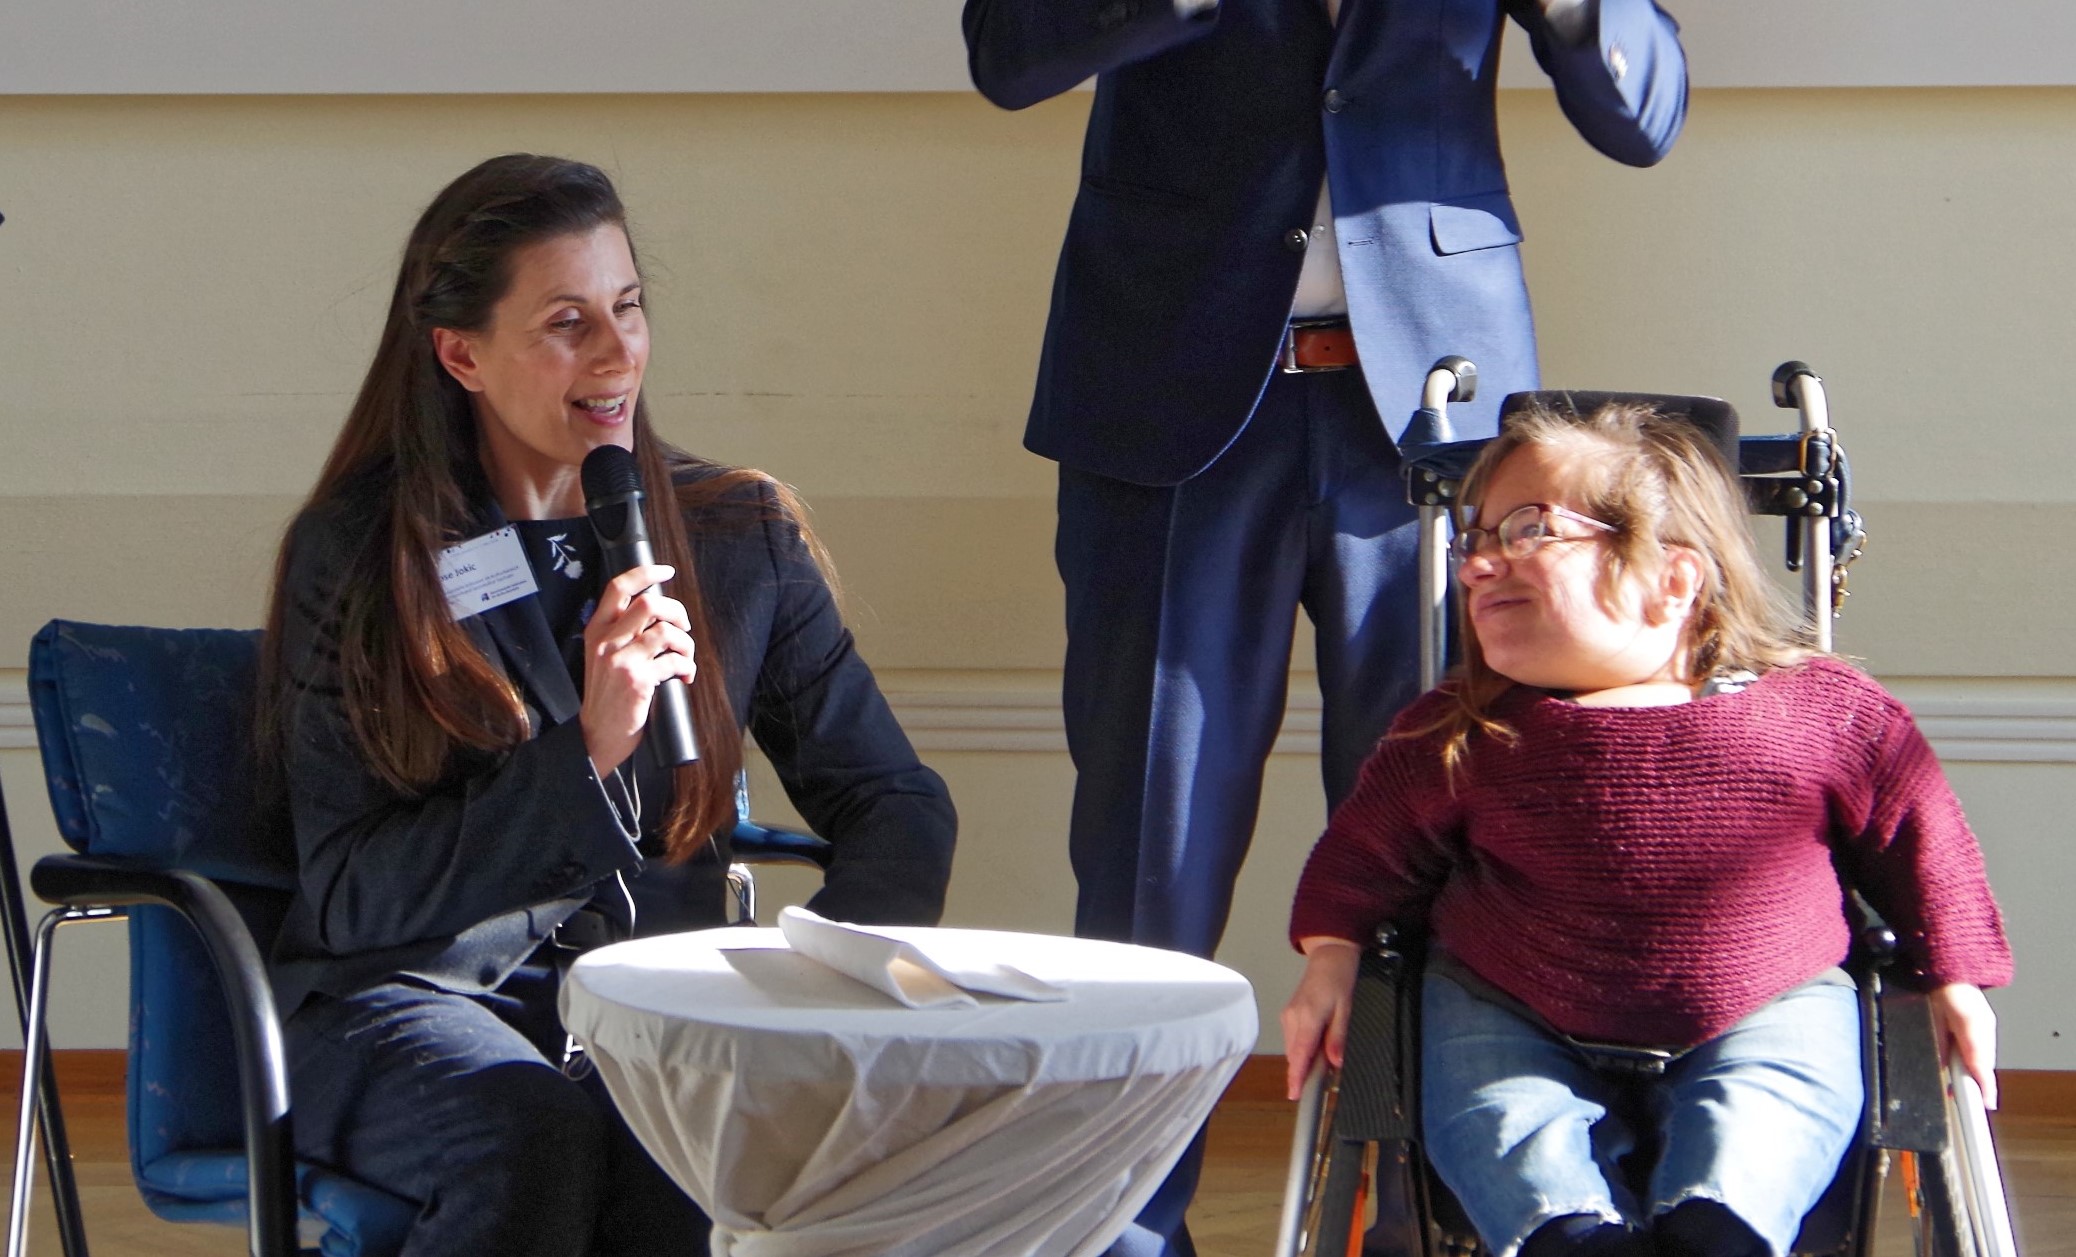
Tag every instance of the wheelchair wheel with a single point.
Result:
(1335, 1220)
(1938, 1205)
(1326, 1198)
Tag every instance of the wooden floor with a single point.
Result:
(1235, 1214)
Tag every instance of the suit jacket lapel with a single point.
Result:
(532, 657)
(1360, 25)
(522, 639)
(1314, 13)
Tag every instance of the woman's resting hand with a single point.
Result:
(1963, 1022)
(1317, 1014)
(637, 638)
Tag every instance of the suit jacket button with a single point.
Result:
(1617, 62)
(1295, 239)
(1113, 15)
(1335, 102)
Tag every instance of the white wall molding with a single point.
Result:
(1967, 721)
(17, 729)
(1989, 727)
(1999, 730)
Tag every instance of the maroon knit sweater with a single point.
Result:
(1652, 875)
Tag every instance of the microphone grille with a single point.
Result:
(609, 472)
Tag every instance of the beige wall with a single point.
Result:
(849, 292)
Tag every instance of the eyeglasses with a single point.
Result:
(1523, 531)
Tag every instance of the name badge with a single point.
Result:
(485, 572)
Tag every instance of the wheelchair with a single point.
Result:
(1357, 1145)
(147, 753)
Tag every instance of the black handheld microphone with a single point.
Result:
(613, 499)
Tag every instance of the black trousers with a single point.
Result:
(459, 1103)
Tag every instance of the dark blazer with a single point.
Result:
(458, 887)
(1206, 146)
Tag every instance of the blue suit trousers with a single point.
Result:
(1182, 603)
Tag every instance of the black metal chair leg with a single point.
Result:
(96, 885)
(36, 1076)
(57, 1147)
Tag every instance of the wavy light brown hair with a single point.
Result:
(418, 693)
(1661, 483)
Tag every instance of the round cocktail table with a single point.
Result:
(812, 1116)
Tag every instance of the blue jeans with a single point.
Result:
(1523, 1130)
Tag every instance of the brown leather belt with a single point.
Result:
(1318, 345)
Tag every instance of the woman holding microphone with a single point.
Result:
(458, 698)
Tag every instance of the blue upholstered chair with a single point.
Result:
(147, 750)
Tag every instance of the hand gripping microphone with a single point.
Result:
(613, 499)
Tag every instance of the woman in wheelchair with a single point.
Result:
(463, 753)
(1619, 821)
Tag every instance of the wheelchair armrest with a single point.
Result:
(1906, 1103)
(1379, 1075)
(79, 881)
(763, 844)
(1908, 1106)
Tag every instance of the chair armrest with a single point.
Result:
(763, 844)
(79, 881)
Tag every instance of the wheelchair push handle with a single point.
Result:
(1791, 380)
(1451, 379)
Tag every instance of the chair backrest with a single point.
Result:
(147, 752)
(147, 747)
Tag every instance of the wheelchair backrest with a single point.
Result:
(1711, 415)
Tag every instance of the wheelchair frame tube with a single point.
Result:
(1808, 392)
(1450, 379)
(1434, 594)
(1988, 1211)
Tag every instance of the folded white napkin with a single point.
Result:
(919, 976)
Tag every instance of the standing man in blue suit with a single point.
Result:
(1288, 210)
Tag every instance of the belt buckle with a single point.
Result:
(1622, 1059)
(1286, 357)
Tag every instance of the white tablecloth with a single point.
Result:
(813, 1117)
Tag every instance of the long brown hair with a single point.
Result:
(1660, 483)
(416, 690)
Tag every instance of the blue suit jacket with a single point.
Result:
(458, 886)
(1206, 145)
